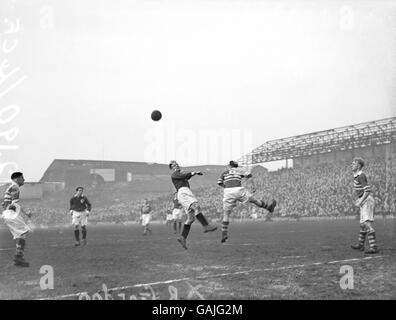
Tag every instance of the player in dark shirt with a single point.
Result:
(188, 201)
(80, 207)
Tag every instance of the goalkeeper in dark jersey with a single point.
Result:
(188, 201)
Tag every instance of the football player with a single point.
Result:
(80, 208)
(15, 217)
(234, 192)
(146, 216)
(365, 202)
(188, 201)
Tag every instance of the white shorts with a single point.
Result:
(146, 218)
(169, 217)
(186, 198)
(367, 210)
(177, 214)
(233, 195)
(15, 222)
(79, 218)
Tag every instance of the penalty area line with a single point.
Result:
(219, 275)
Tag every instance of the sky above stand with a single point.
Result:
(226, 75)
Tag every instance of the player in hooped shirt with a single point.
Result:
(16, 218)
(231, 181)
(366, 203)
(188, 201)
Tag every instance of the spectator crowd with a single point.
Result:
(322, 190)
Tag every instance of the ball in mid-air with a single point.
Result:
(156, 115)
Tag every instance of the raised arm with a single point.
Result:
(179, 175)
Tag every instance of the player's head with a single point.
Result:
(233, 164)
(173, 165)
(18, 178)
(79, 191)
(357, 164)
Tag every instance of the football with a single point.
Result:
(156, 115)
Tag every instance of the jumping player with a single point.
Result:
(365, 202)
(177, 215)
(231, 181)
(146, 217)
(80, 208)
(15, 217)
(188, 201)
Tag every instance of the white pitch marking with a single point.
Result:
(214, 276)
(350, 260)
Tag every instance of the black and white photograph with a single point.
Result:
(211, 152)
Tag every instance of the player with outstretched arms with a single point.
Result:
(365, 202)
(231, 181)
(188, 201)
(15, 217)
(80, 208)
